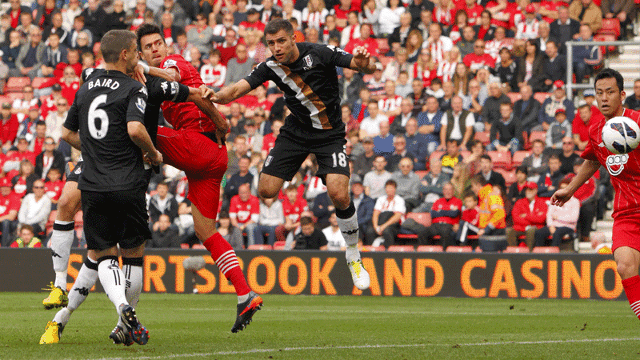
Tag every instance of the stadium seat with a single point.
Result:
(500, 159)
(372, 248)
(546, 250)
(4, 99)
(514, 96)
(78, 219)
(184, 246)
(459, 249)
(516, 249)
(279, 245)
(14, 95)
(16, 84)
(518, 157)
(430, 248)
(38, 81)
(198, 246)
(260, 247)
(541, 97)
(610, 27)
(401, 248)
(509, 176)
(383, 46)
(483, 137)
(606, 37)
(538, 135)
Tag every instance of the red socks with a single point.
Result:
(224, 256)
(632, 290)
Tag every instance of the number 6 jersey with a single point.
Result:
(100, 112)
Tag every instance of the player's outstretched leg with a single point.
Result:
(87, 277)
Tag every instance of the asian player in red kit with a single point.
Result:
(625, 178)
(194, 145)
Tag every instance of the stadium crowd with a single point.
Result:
(464, 130)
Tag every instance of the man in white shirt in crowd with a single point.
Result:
(370, 126)
(335, 240)
(388, 215)
(375, 180)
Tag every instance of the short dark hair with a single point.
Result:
(224, 214)
(469, 194)
(609, 73)
(392, 183)
(27, 227)
(147, 29)
(486, 157)
(523, 169)
(40, 122)
(306, 220)
(554, 156)
(113, 42)
(274, 26)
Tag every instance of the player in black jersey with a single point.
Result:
(306, 73)
(106, 121)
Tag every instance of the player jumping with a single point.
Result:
(191, 146)
(625, 178)
(306, 74)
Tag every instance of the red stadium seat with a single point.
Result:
(500, 159)
(541, 97)
(518, 157)
(78, 219)
(14, 95)
(38, 81)
(184, 246)
(610, 27)
(279, 245)
(383, 46)
(514, 96)
(483, 137)
(606, 37)
(198, 246)
(401, 248)
(546, 250)
(538, 135)
(430, 248)
(459, 249)
(16, 84)
(509, 176)
(260, 247)
(372, 248)
(4, 99)
(516, 249)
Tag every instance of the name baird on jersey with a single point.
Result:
(110, 83)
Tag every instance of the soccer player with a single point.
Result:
(106, 121)
(306, 73)
(190, 146)
(625, 178)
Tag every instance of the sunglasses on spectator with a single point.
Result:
(38, 187)
(49, 143)
(62, 104)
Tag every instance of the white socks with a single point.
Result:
(132, 269)
(87, 277)
(348, 224)
(61, 241)
(112, 280)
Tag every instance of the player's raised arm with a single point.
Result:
(230, 93)
(586, 171)
(362, 61)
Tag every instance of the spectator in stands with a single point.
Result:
(567, 155)
(322, 205)
(329, 29)
(398, 126)
(544, 36)
(389, 104)
(558, 130)
(8, 127)
(252, 23)
(195, 58)
(244, 212)
(558, 100)
(364, 206)
(398, 37)
(240, 149)
(461, 126)
(162, 202)
(271, 216)
(470, 220)
(163, 235)
(10, 205)
(232, 234)
(18, 154)
(383, 142)
(587, 56)
(268, 140)
(507, 70)
(375, 180)
(388, 19)
(491, 109)
(472, 160)
(526, 109)
(26, 25)
(363, 163)
(239, 66)
(550, 181)
(50, 158)
(554, 66)
(561, 222)
(27, 238)
(254, 139)
(451, 157)
(530, 67)
(31, 56)
(506, 135)
(431, 186)
(467, 42)
(429, 123)
(53, 186)
(309, 238)
(213, 74)
(35, 208)
(78, 28)
(633, 101)
(400, 152)
(416, 145)
(565, 28)
(478, 59)
(408, 183)
(56, 119)
(117, 19)
(359, 107)
(492, 214)
(10, 52)
(54, 54)
(376, 83)
(15, 10)
(180, 17)
(56, 27)
(352, 30)
(438, 43)
(27, 127)
(587, 13)
(445, 214)
(516, 190)
(370, 126)
(527, 28)
(293, 207)
(529, 215)
(73, 9)
(335, 240)
(388, 214)
(349, 86)
(580, 125)
(201, 35)
(485, 29)
(491, 177)
(243, 176)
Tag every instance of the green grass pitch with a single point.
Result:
(324, 327)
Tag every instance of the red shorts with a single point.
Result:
(626, 232)
(203, 162)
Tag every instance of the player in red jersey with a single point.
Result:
(625, 178)
(191, 147)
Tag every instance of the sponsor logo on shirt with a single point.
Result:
(141, 105)
(615, 163)
(164, 87)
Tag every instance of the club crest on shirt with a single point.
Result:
(615, 163)
(308, 61)
(268, 161)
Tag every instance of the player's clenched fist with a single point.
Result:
(561, 196)
(154, 158)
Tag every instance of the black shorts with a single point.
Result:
(117, 217)
(73, 171)
(289, 152)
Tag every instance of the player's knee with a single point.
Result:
(339, 198)
(267, 193)
(627, 268)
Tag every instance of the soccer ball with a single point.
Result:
(621, 135)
